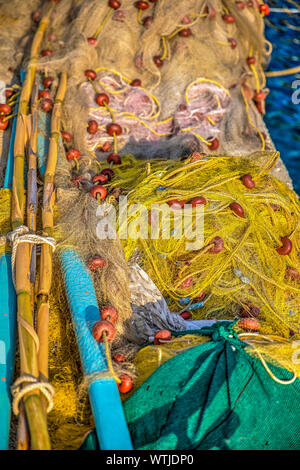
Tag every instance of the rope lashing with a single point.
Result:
(21, 235)
(31, 331)
(26, 384)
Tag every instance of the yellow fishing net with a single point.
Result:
(248, 270)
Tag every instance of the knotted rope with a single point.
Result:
(21, 235)
(27, 383)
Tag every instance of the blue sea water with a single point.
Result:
(282, 114)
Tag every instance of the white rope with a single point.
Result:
(21, 235)
(26, 384)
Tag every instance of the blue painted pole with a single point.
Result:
(7, 345)
(105, 400)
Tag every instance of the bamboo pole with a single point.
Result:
(23, 440)
(35, 412)
(18, 198)
(45, 277)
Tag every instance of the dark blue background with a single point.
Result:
(282, 116)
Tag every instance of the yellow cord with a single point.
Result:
(189, 129)
(165, 50)
(250, 121)
(109, 360)
(203, 80)
(122, 77)
(256, 78)
(280, 73)
(108, 15)
(139, 16)
(268, 370)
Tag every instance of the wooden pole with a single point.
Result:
(45, 277)
(23, 441)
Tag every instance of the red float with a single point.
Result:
(162, 336)
(98, 192)
(286, 247)
(142, 5)
(158, 62)
(73, 154)
(126, 383)
(102, 99)
(108, 172)
(186, 315)
(237, 209)
(185, 33)
(248, 181)
(175, 204)
(47, 52)
(109, 313)
(119, 357)
(114, 158)
(249, 324)
(95, 263)
(136, 82)
(115, 4)
(218, 245)
(101, 327)
(47, 105)
(114, 128)
(100, 179)
(47, 82)
(89, 73)
(197, 201)
(92, 127)
(5, 108)
(228, 18)
(67, 137)
(3, 123)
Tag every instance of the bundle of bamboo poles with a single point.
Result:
(32, 426)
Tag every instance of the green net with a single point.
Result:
(214, 396)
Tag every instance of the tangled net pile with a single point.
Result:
(241, 262)
(243, 268)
